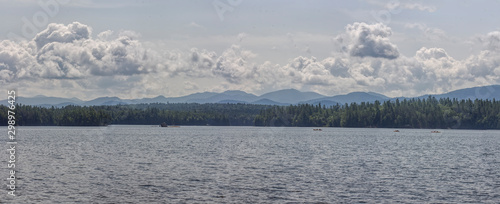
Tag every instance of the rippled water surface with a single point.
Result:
(145, 164)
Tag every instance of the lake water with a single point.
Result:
(146, 164)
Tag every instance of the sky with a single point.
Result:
(137, 49)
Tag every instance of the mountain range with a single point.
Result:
(281, 97)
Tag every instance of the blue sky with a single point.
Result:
(135, 49)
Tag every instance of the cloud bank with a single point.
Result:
(69, 60)
(69, 52)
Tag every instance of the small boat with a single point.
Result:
(165, 125)
(435, 131)
(317, 129)
(396, 130)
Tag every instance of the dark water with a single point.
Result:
(144, 164)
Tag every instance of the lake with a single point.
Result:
(149, 164)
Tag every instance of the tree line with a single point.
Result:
(139, 114)
(408, 113)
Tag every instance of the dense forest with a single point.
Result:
(141, 114)
(412, 113)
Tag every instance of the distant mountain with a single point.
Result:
(38, 100)
(191, 97)
(59, 105)
(158, 99)
(104, 101)
(225, 96)
(281, 97)
(354, 97)
(266, 101)
(113, 103)
(358, 97)
(483, 92)
(378, 95)
(291, 96)
(231, 101)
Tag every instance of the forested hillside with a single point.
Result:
(413, 113)
(141, 114)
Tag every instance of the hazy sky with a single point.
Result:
(136, 49)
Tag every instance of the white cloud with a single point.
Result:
(492, 41)
(242, 36)
(369, 40)
(68, 51)
(188, 85)
(430, 33)
(69, 61)
(194, 25)
(59, 33)
(234, 64)
(19, 59)
(396, 5)
(431, 53)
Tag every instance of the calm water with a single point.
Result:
(145, 164)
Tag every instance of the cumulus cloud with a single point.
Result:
(486, 65)
(201, 63)
(234, 64)
(369, 40)
(337, 66)
(430, 70)
(491, 41)
(17, 59)
(69, 51)
(310, 71)
(5, 74)
(59, 33)
(68, 57)
(190, 85)
(431, 53)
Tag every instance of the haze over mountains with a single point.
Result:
(281, 97)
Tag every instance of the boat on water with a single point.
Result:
(396, 130)
(435, 131)
(165, 125)
(317, 129)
